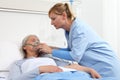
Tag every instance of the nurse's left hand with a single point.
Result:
(45, 48)
(92, 72)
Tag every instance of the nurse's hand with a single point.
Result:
(45, 48)
(93, 73)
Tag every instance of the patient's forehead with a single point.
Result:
(32, 38)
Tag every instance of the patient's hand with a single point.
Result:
(93, 73)
(49, 69)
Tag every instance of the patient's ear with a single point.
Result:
(24, 48)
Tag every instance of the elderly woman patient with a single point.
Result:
(34, 64)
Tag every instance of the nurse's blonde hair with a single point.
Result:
(59, 8)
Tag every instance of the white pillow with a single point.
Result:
(33, 63)
(9, 52)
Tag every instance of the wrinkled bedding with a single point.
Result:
(69, 75)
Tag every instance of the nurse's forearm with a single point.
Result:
(64, 54)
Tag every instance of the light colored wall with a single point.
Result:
(111, 23)
(15, 26)
(92, 13)
(104, 17)
(118, 26)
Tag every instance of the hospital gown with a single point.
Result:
(28, 69)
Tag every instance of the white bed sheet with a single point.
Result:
(3, 75)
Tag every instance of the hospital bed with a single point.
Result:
(3, 75)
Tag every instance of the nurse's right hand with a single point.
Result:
(45, 48)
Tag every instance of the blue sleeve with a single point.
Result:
(15, 73)
(66, 49)
(60, 53)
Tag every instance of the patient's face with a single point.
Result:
(31, 44)
(33, 41)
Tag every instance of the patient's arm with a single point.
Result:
(49, 69)
(15, 73)
(93, 73)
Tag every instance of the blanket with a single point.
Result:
(69, 75)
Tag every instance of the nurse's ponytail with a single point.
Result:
(69, 11)
(59, 8)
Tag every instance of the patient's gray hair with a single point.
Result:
(24, 41)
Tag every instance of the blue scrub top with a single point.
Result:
(88, 49)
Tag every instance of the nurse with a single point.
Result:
(84, 45)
